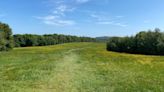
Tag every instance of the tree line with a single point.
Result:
(47, 39)
(8, 41)
(145, 42)
(149, 42)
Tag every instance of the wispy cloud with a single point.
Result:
(62, 9)
(82, 1)
(105, 22)
(62, 6)
(119, 16)
(111, 23)
(100, 17)
(59, 12)
(120, 24)
(105, 19)
(56, 21)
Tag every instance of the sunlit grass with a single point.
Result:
(79, 67)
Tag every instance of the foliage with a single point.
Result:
(48, 39)
(150, 42)
(6, 39)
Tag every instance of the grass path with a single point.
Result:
(65, 71)
(67, 74)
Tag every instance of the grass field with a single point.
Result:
(79, 67)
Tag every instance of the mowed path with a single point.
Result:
(68, 75)
(64, 76)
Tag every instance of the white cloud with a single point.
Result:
(105, 19)
(59, 22)
(71, 1)
(119, 16)
(111, 23)
(56, 21)
(105, 22)
(82, 1)
(62, 7)
(59, 12)
(100, 17)
(120, 24)
(59, 2)
(49, 17)
(62, 10)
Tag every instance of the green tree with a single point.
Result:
(47, 39)
(6, 38)
(160, 45)
(145, 42)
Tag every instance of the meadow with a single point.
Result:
(79, 67)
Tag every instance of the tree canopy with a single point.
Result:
(145, 42)
(25, 40)
(6, 39)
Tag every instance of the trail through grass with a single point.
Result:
(63, 79)
(79, 67)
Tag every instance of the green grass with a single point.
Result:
(79, 67)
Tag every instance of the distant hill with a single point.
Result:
(102, 38)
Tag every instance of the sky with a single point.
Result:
(82, 17)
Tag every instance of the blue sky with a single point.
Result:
(82, 17)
